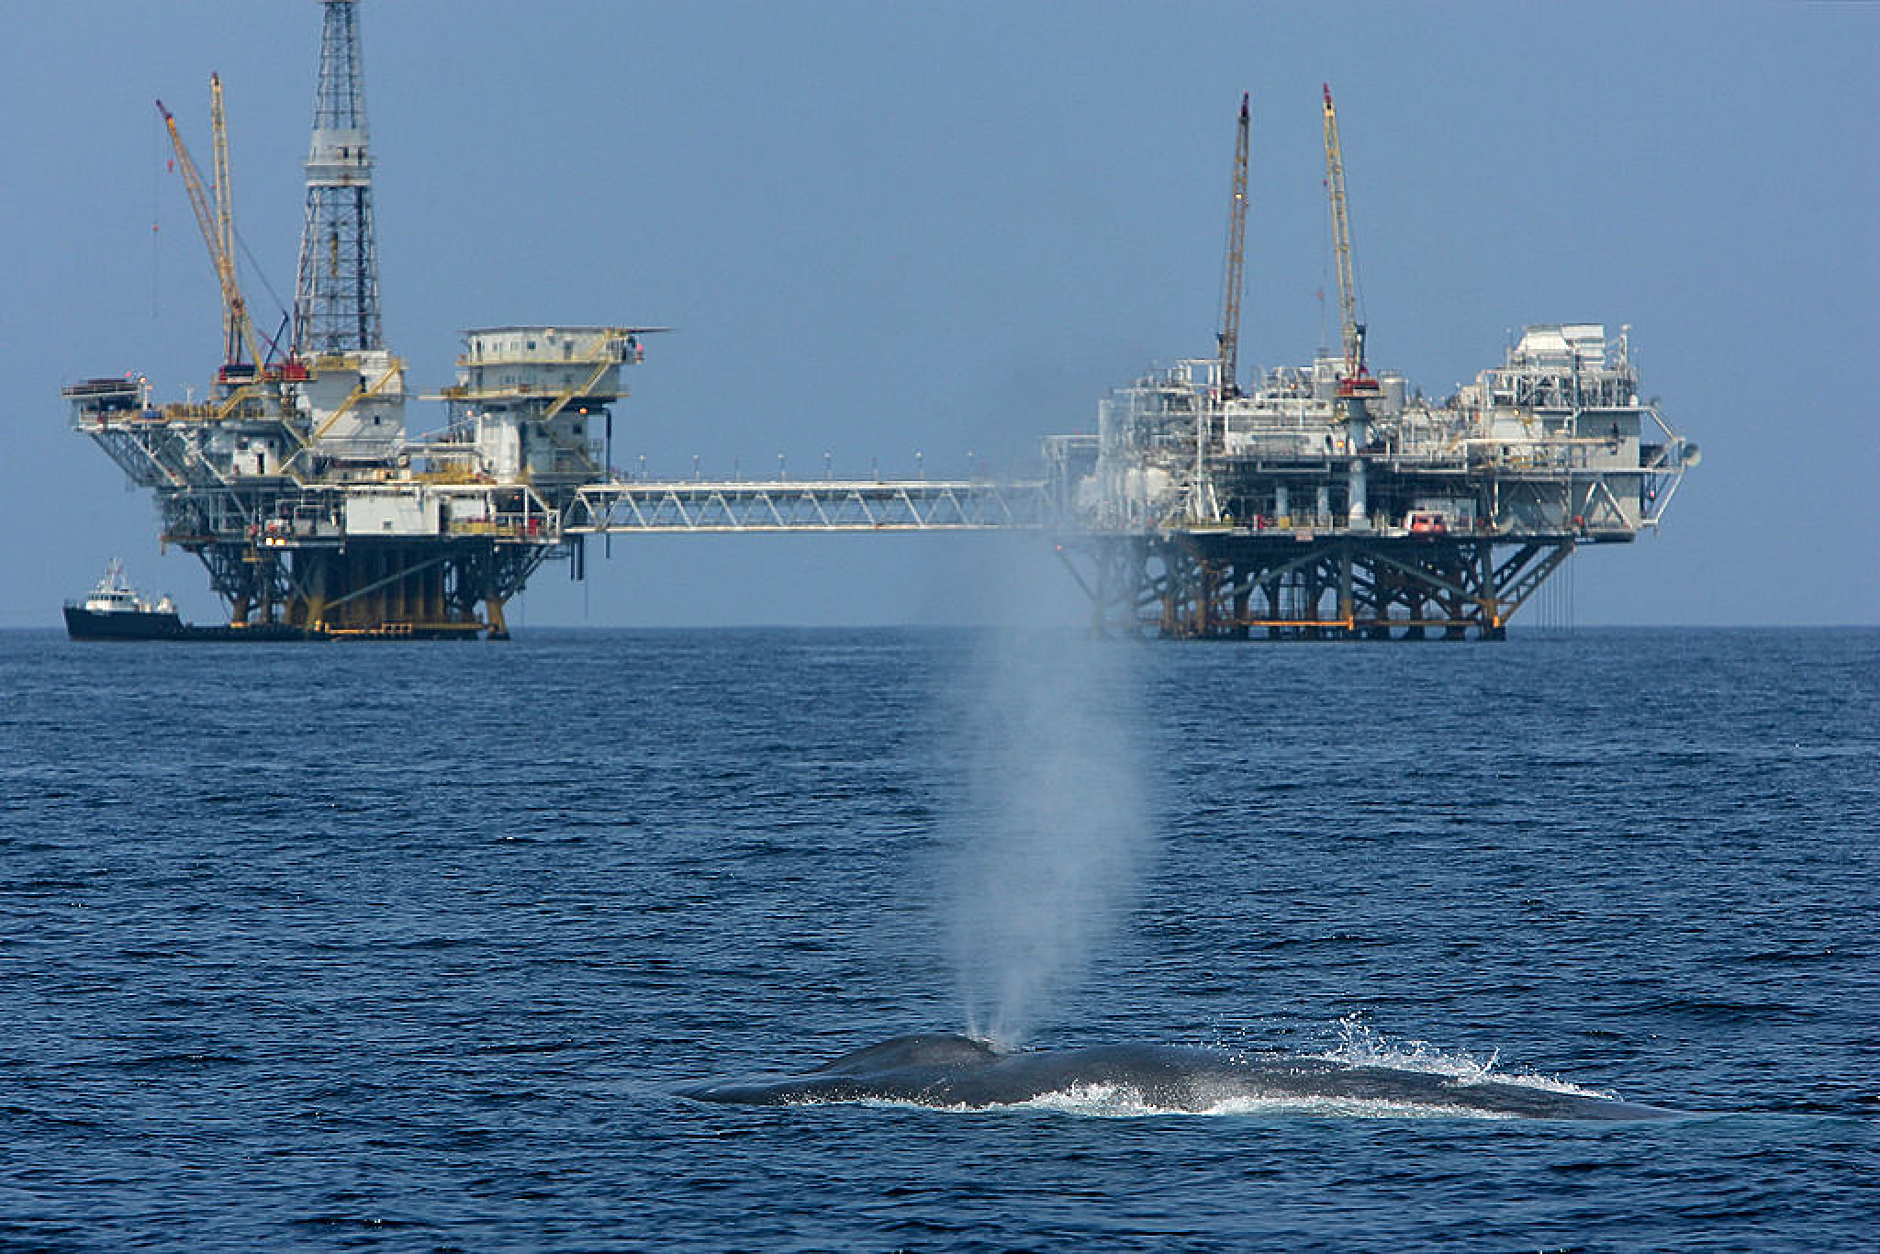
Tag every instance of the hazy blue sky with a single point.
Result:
(881, 228)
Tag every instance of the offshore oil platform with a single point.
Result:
(1328, 502)
(1316, 503)
(297, 483)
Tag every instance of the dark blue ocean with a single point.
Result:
(413, 946)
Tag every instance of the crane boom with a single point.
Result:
(1351, 332)
(234, 308)
(224, 214)
(1236, 262)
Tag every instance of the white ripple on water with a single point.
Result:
(1361, 1046)
(1117, 1101)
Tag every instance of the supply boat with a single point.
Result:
(114, 611)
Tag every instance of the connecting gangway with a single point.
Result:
(828, 505)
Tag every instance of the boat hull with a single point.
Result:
(84, 624)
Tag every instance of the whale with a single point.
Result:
(950, 1071)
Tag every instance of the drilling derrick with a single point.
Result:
(336, 293)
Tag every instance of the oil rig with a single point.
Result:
(296, 482)
(319, 515)
(1328, 502)
(1316, 503)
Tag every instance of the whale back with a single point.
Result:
(917, 1049)
(946, 1069)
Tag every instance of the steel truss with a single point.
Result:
(1234, 586)
(825, 505)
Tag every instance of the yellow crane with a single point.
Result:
(1229, 339)
(1350, 329)
(224, 214)
(216, 233)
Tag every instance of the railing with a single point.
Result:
(534, 528)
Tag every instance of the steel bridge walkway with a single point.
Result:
(812, 505)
